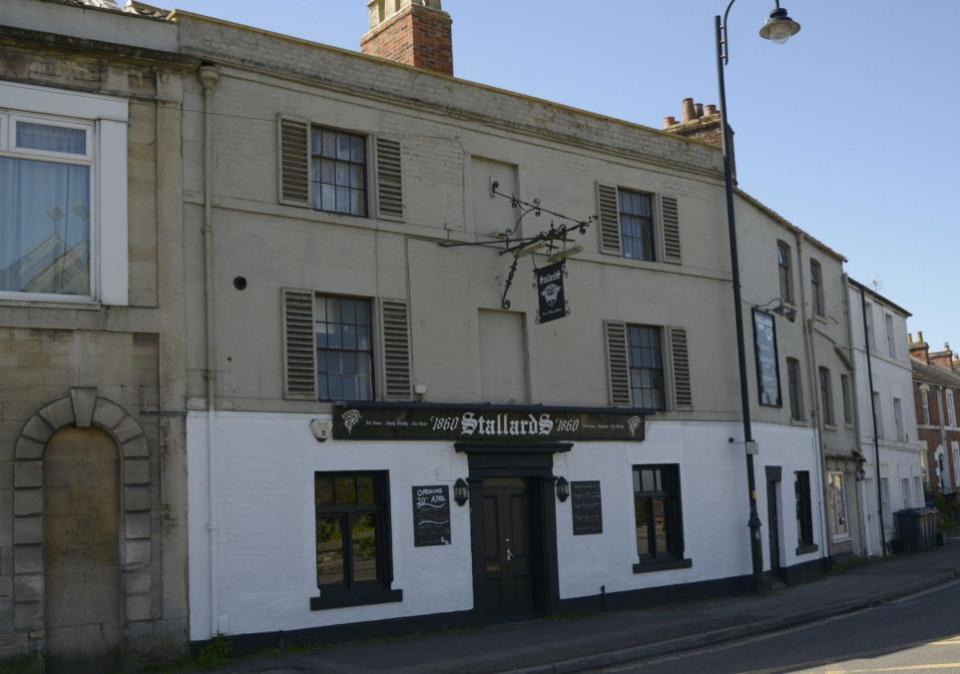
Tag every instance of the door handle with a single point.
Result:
(509, 555)
(509, 551)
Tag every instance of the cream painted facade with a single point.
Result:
(237, 246)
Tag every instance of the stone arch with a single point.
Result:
(82, 408)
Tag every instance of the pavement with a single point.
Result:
(602, 640)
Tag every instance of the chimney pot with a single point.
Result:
(689, 110)
(711, 110)
(669, 121)
(699, 109)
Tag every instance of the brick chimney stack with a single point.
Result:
(919, 349)
(413, 32)
(702, 122)
(944, 359)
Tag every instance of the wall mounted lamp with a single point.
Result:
(461, 492)
(563, 489)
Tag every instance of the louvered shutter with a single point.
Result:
(671, 230)
(299, 346)
(608, 210)
(680, 356)
(395, 331)
(389, 179)
(293, 138)
(618, 370)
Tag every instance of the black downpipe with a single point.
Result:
(756, 548)
(873, 413)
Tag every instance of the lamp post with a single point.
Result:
(779, 28)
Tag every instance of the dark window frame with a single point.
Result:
(350, 592)
(826, 397)
(776, 354)
(816, 288)
(323, 391)
(317, 183)
(667, 488)
(631, 367)
(804, 512)
(847, 392)
(648, 224)
(785, 272)
(795, 389)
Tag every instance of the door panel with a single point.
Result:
(508, 582)
(81, 552)
(773, 524)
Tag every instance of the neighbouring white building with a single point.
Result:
(887, 423)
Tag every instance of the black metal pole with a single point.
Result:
(756, 548)
(873, 410)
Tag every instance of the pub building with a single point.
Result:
(473, 354)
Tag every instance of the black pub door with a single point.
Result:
(773, 518)
(508, 587)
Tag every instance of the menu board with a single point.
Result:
(768, 368)
(587, 510)
(431, 516)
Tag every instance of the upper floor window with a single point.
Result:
(344, 348)
(878, 414)
(646, 367)
(898, 419)
(891, 338)
(56, 155)
(826, 397)
(951, 409)
(847, 393)
(786, 272)
(636, 225)
(868, 326)
(338, 171)
(816, 287)
(795, 389)
(925, 405)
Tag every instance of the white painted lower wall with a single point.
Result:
(265, 537)
(897, 463)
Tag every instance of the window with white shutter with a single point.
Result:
(608, 211)
(299, 350)
(670, 218)
(682, 390)
(293, 137)
(389, 179)
(395, 331)
(618, 371)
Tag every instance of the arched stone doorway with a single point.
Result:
(94, 427)
(81, 557)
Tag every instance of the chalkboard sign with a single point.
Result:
(431, 516)
(587, 511)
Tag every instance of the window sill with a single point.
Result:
(361, 597)
(830, 427)
(807, 549)
(651, 565)
(31, 300)
(843, 538)
(799, 422)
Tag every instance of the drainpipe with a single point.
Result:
(815, 391)
(209, 77)
(873, 414)
(855, 410)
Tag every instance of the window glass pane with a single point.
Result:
(363, 534)
(330, 559)
(343, 200)
(366, 491)
(44, 227)
(328, 171)
(356, 202)
(660, 527)
(647, 481)
(323, 489)
(343, 174)
(356, 176)
(349, 387)
(51, 138)
(363, 337)
(356, 153)
(328, 198)
(335, 387)
(343, 146)
(346, 490)
(641, 506)
(329, 144)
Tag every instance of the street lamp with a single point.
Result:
(779, 28)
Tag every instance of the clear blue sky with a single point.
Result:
(851, 130)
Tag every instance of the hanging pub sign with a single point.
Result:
(486, 423)
(553, 302)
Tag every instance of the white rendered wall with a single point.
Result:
(267, 565)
